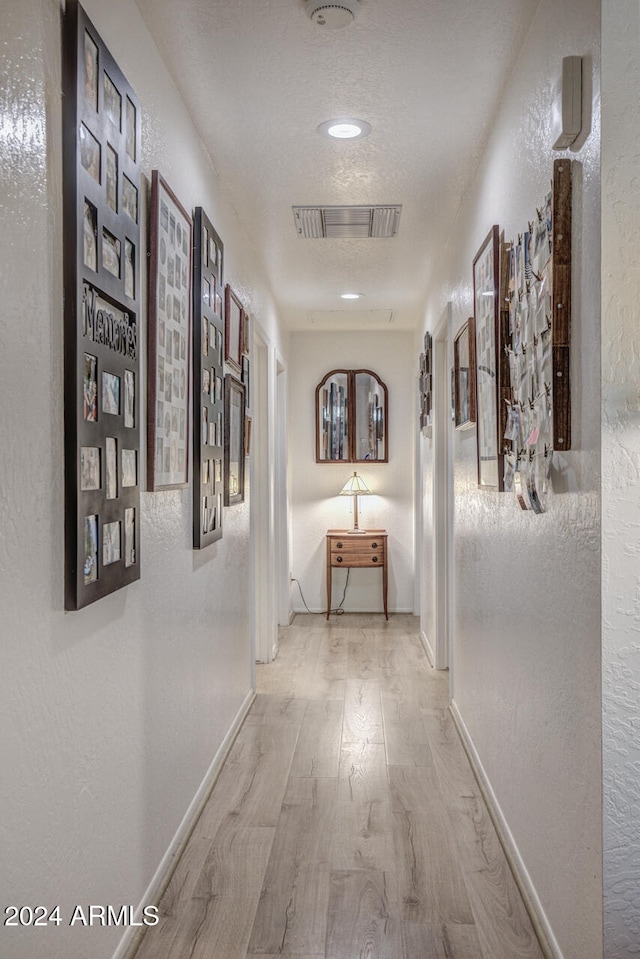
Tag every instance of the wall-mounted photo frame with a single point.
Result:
(464, 376)
(486, 293)
(246, 379)
(169, 338)
(425, 383)
(539, 342)
(233, 329)
(102, 389)
(234, 443)
(208, 395)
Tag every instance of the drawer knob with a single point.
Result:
(375, 559)
(339, 559)
(374, 546)
(339, 545)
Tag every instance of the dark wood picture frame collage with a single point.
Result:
(102, 256)
(102, 185)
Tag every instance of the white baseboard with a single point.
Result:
(427, 647)
(130, 942)
(374, 612)
(542, 926)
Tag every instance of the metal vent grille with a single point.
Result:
(346, 222)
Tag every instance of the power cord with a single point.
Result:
(339, 611)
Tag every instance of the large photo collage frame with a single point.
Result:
(169, 339)
(208, 379)
(101, 185)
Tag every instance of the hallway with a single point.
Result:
(346, 821)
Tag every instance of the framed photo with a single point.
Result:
(246, 335)
(233, 329)
(169, 335)
(425, 386)
(246, 379)
(464, 376)
(101, 185)
(208, 399)
(234, 441)
(486, 292)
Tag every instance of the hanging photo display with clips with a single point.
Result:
(208, 378)
(538, 408)
(101, 187)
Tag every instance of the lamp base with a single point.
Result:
(354, 532)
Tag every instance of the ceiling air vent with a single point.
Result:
(346, 222)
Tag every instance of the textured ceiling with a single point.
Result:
(259, 77)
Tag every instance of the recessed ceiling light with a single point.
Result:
(350, 296)
(345, 128)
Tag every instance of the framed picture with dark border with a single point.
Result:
(464, 376)
(169, 338)
(208, 377)
(234, 443)
(102, 256)
(425, 383)
(486, 292)
(233, 329)
(246, 379)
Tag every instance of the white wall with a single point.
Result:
(316, 505)
(621, 475)
(110, 716)
(526, 630)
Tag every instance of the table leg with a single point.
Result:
(384, 589)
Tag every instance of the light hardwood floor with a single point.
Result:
(346, 822)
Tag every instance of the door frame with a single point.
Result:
(264, 628)
(442, 489)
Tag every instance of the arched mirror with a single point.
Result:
(351, 418)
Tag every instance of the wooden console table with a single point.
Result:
(357, 550)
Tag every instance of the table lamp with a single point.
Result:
(355, 486)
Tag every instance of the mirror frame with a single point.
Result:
(351, 417)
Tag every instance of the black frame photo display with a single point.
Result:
(101, 215)
(208, 379)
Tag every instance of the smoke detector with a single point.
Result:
(333, 15)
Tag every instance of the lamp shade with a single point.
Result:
(355, 486)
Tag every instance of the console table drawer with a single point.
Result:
(358, 557)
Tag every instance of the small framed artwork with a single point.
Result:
(246, 379)
(234, 441)
(233, 328)
(425, 386)
(464, 376)
(246, 333)
(486, 290)
(247, 436)
(101, 185)
(169, 328)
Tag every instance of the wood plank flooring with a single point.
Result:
(346, 822)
